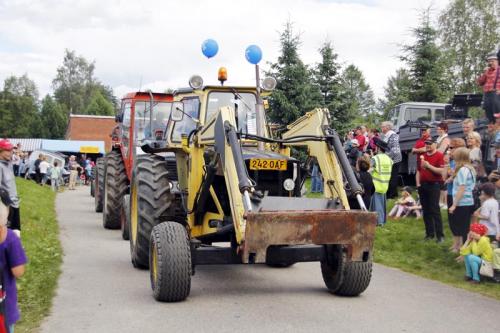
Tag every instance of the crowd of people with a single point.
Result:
(450, 175)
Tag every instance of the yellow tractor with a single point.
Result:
(236, 196)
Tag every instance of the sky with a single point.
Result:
(156, 44)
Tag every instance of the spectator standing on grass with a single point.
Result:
(494, 177)
(16, 161)
(431, 180)
(464, 180)
(477, 248)
(73, 172)
(455, 143)
(487, 214)
(372, 134)
(354, 153)
(394, 152)
(12, 265)
(419, 149)
(490, 82)
(8, 183)
(381, 167)
(366, 180)
(38, 177)
(443, 143)
(55, 176)
(44, 169)
(476, 157)
(316, 184)
(360, 137)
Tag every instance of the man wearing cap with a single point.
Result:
(431, 171)
(8, 183)
(490, 81)
(381, 167)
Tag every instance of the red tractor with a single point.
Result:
(142, 117)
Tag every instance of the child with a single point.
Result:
(363, 165)
(488, 212)
(402, 205)
(12, 261)
(476, 249)
(55, 175)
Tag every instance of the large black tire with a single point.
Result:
(92, 188)
(170, 262)
(125, 217)
(341, 277)
(99, 184)
(115, 187)
(150, 200)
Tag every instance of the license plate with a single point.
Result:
(263, 164)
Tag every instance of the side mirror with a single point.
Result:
(177, 111)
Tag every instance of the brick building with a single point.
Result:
(93, 128)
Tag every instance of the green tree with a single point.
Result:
(99, 106)
(469, 30)
(425, 65)
(396, 91)
(19, 116)
(360, 107)
(75, 85)
(328, 77)
(295, 94)
(53, 119)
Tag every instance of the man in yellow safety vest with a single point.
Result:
(381, 167)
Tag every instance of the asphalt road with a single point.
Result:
(100, 291)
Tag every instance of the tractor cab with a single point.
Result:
(143, 116)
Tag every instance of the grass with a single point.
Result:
(40, 238)
(400, 244)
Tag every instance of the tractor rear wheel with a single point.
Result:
(115, 187)
(170, 262)
(98, 184)
(341, 277)
(125, 217)
(150, 200)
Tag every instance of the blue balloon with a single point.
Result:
(209, 48)
(253, 54)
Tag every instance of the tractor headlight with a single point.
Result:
(196, 82)
(289, 184)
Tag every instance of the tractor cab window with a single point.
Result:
(243, 105)
(147, 124)
(418, 114)
(192, 109)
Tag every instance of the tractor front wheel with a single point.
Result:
(170, 262)
(342, 277)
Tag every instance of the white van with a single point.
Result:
(29, 169)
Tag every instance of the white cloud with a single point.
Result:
(158, 42)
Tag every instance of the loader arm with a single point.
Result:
(314, 123)
(222, 134)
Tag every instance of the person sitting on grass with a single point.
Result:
(402, 205)
(487, 214)
(12, 262)
(476, 249)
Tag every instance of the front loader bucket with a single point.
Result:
(352, 228)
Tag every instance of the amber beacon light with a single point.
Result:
(222, 75)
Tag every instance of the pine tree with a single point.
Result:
(426, 67)
(328, 77)
(358, 98)
(469, 30)
(295, 94)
